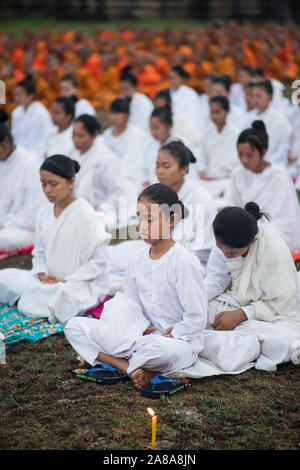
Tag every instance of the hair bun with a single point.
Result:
(74, 98)
(253, 209)
(76, 166)
(3, 116)
(259, 125)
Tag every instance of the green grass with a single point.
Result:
(10, 23)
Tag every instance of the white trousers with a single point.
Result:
(151, 352)
(15, 239)
(266, 343)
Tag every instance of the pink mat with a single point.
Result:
(96, 311)
(7, 254)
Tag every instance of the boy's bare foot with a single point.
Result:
(141, 378)
(84, 365)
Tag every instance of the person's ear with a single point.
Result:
(254, 240)
(263, 153)
(174, 220)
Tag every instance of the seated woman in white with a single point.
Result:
(185, 100)
(258, 317)
(101, 180)
(21, 195)
(69, 87)
(268, 184)
(217, 153)
(182, 126)
(30, 120)
(141, 106)
(60, 139)
(238, 90)
(194, 231)
(161, 125)
(221, 87)
(278, 127)
(294, 145)
(157, 325)
(69, 274)
(127, 141)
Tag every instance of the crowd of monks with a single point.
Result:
(98, 59)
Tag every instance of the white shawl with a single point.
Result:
(266, 279)
(73, 239)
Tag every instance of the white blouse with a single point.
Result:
(170, 292)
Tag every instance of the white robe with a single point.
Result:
(218, 153)
(194, 233)
(274, 192)
(141, 108)
(60, 142)
(265, 287)
(294, 145)
(279, 130)
(237, 96)
(21, 198)
(71, 247)
(167, 293)
(30, 128)
(185, 100)
(83, 106)
(102, 181)
(130, 147)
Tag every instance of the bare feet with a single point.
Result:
(84, 365)
(141, 378)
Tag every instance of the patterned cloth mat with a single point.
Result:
(16, 327)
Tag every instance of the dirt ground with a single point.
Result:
(43, 407)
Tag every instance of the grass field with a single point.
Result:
(43, 407)
(12, 24)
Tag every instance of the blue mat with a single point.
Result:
(16, 327)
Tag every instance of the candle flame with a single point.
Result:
(151, 412)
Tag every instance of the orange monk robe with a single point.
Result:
(18, 57)
(148, 80)
(40, 60)
(127, 35)
(93, 65)
(225, 66)
(67, 36)
(249, 57)
(109, 88)
(44, 92)
(88, 85)
(204, 68)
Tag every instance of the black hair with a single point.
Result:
(180, 71)
(129, 77)
(165, 196)
(259, 71)
(236, 227)
(165, 95)
(224, 80)
(265, 84)
(90, 123)
(180, 152)
(120, 105)
(256, 136)
(248, 69)
(164, 114)
(222, 100)
(4, 132)
(70, 77)
(67, 104)
(27, 84)
(61, 165)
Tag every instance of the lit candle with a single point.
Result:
(154, 421)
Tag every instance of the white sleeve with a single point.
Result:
(279, 155)
(191, 292)
(92, 269)
(112, 179)
(39, 261)
(249, 312)
(235, 197)
(217, 275)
